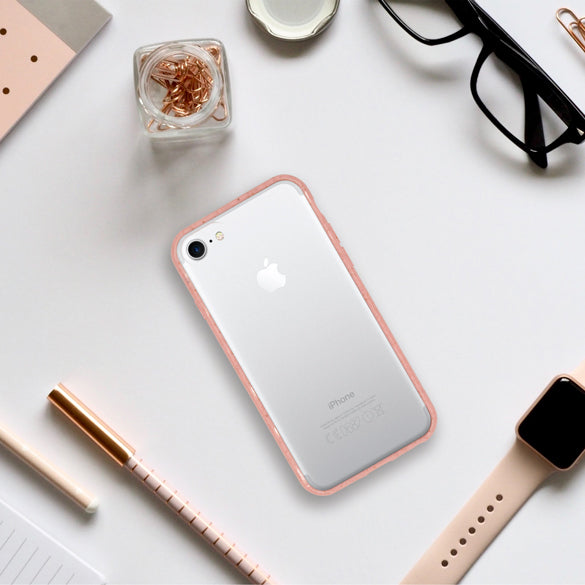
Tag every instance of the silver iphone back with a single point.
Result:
(318, 360)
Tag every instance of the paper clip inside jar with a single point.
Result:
(182, 88)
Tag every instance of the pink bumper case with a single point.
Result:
(405, 399)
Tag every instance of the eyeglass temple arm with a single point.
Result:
(430, 42)
(533, 129)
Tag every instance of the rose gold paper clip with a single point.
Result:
(119, 450)
(574, 25)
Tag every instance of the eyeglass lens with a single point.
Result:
(498, 88)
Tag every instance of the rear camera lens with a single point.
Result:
(196, 249)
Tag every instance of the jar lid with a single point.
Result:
(294, 20)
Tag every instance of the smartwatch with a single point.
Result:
(549, 437)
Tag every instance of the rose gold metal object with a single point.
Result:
(95, 428)
(188, 82)
(574, 25)
(117, 448)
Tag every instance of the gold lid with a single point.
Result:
(95, 428)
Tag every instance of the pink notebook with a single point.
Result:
(38, 39)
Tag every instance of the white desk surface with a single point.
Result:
(472, 254)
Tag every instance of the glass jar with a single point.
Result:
(182, 89)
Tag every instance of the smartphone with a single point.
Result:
(285, 302)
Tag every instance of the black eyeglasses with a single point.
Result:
(535, 83)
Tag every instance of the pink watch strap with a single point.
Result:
(481, 519)
(508, 486)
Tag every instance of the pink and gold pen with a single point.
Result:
(124, 455)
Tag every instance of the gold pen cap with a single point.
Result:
(95, 428)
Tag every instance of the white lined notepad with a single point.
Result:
(30, 555)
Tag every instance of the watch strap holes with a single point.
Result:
(472, 530)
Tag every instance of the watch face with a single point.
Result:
(555, 426)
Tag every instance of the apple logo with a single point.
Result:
(269, 278)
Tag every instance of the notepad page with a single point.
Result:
(30, 555)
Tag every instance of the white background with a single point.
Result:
(473, 255)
